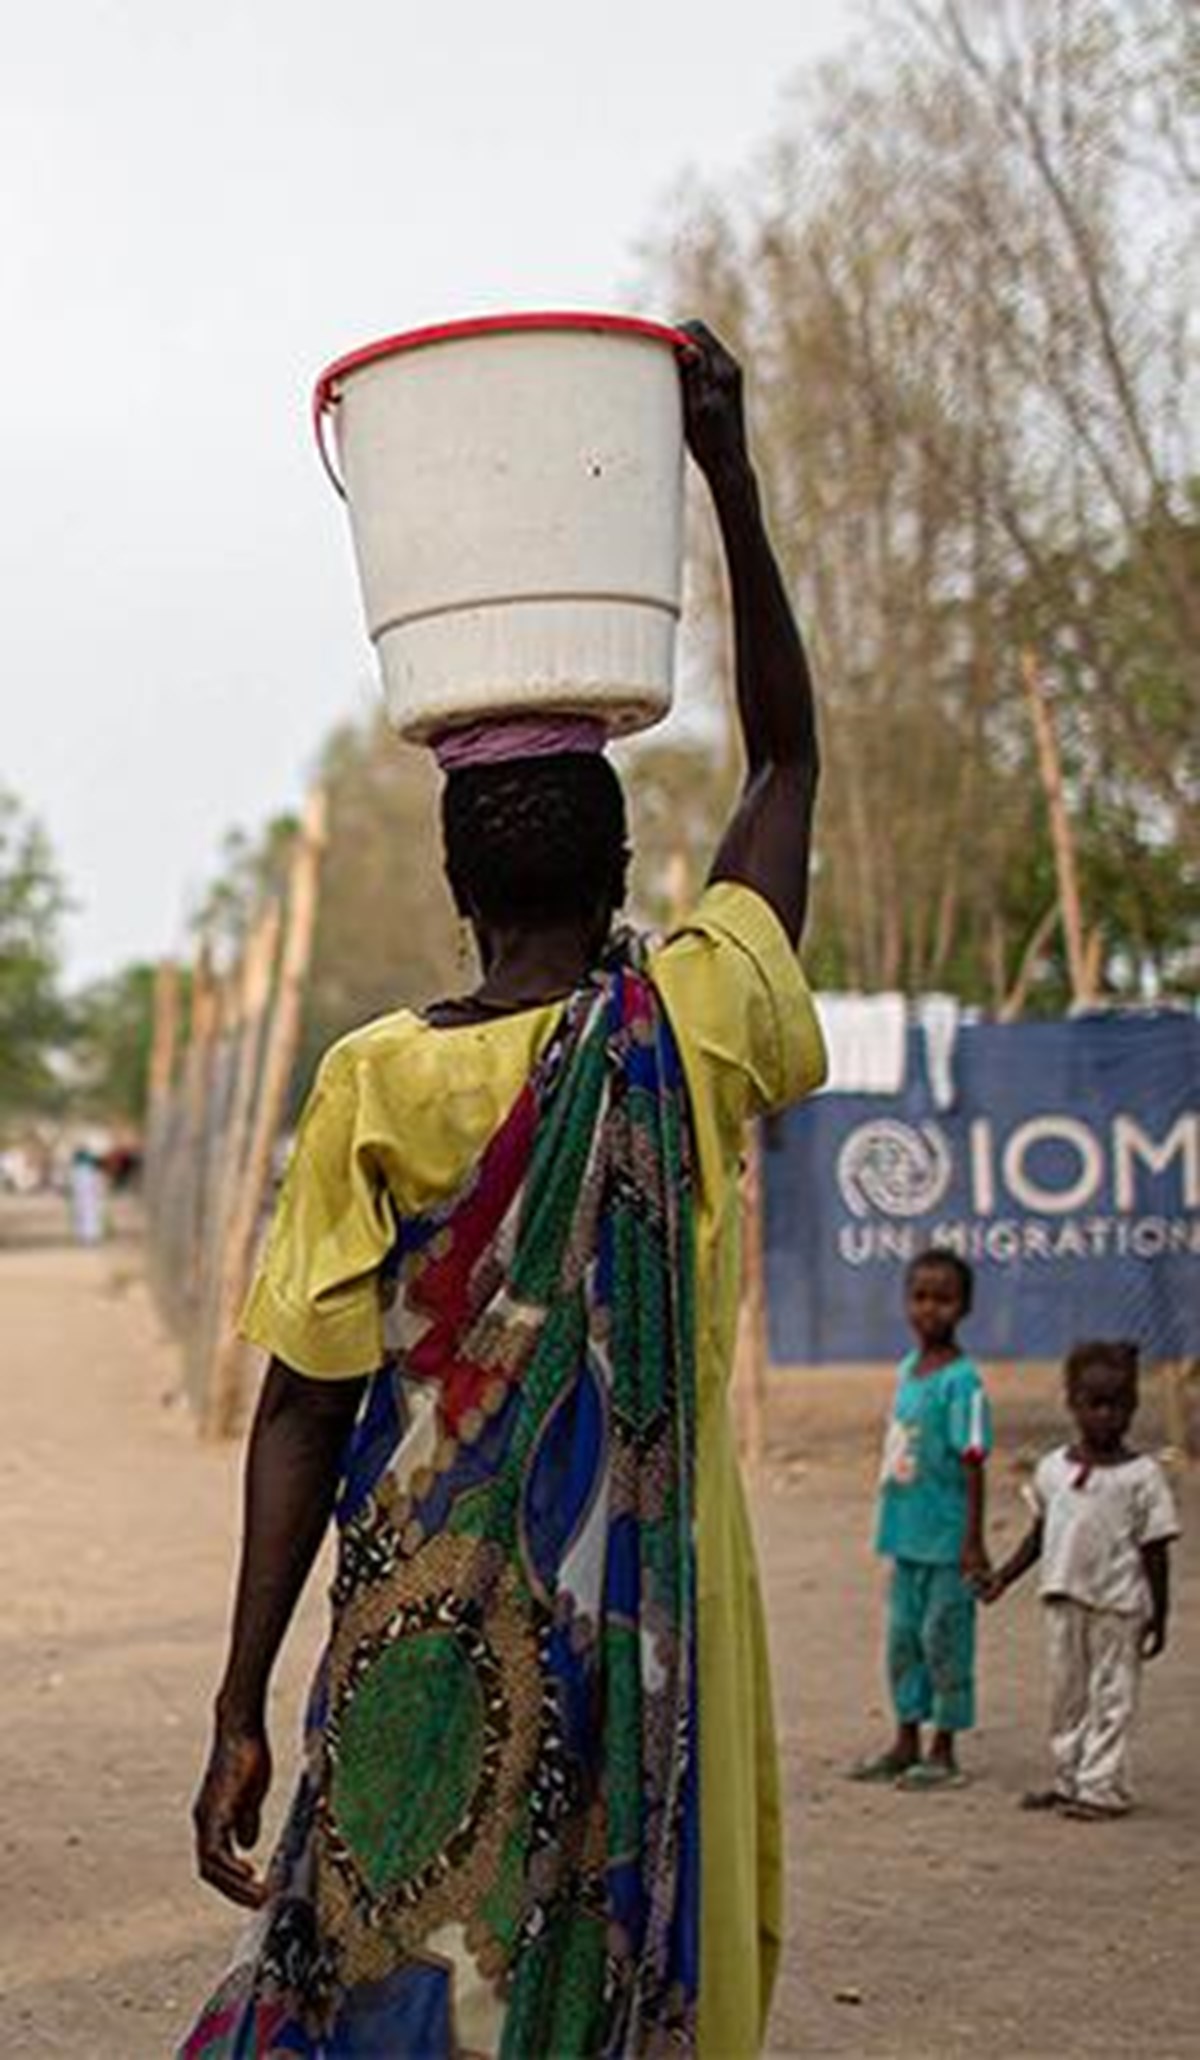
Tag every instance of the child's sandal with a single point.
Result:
(932, 1774)
(884, 1767)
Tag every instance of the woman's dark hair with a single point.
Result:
(952, 1262)
(535, 839)
(1114, 1355)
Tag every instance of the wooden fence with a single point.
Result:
(217, 1099)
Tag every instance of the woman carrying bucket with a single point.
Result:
(539, 1809)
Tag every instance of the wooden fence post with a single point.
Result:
(165, 1033)
(248, 1001)
(175, 1227)
(1083, 958)
(1177, 1377)
(222, 1396)
(161, 1072)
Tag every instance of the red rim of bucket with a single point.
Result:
(324, 397)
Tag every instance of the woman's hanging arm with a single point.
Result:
(293, 1464)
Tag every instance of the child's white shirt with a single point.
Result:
(1093, 1531)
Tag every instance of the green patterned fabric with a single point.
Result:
(502, 1790)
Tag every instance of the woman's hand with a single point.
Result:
(292, 1467)
(714, 418)
(228, 1808)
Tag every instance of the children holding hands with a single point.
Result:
(1103, 1521)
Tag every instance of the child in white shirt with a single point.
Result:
(1104, 1519)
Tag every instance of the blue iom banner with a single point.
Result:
(1067, 1171)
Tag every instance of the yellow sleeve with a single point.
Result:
(740, 1008)
(315, 1301)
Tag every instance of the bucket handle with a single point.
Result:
(323, 404)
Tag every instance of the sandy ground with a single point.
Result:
(921, 1926)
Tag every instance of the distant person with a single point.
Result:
(123, 1167)
(85, 1187)
(540, 1810)
(1105, 1519)
(931, 1527)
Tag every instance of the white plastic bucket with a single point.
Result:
(515, 487)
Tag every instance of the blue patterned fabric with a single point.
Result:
(499, 1814)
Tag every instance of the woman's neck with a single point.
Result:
(525, 966)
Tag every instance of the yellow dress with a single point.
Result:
(400, 1112)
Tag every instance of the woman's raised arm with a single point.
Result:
(767, 844)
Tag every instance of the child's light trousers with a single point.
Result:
(1094, 1664)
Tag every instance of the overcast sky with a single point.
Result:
(199, 207)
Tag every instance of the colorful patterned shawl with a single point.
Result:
(494, 1847)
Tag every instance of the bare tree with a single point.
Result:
(973, 370)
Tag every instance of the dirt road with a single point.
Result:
(922, 1926)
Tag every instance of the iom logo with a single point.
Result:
(896, 1169)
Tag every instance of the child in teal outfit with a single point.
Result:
(930, 1525)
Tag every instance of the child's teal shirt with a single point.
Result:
(938, 1420)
